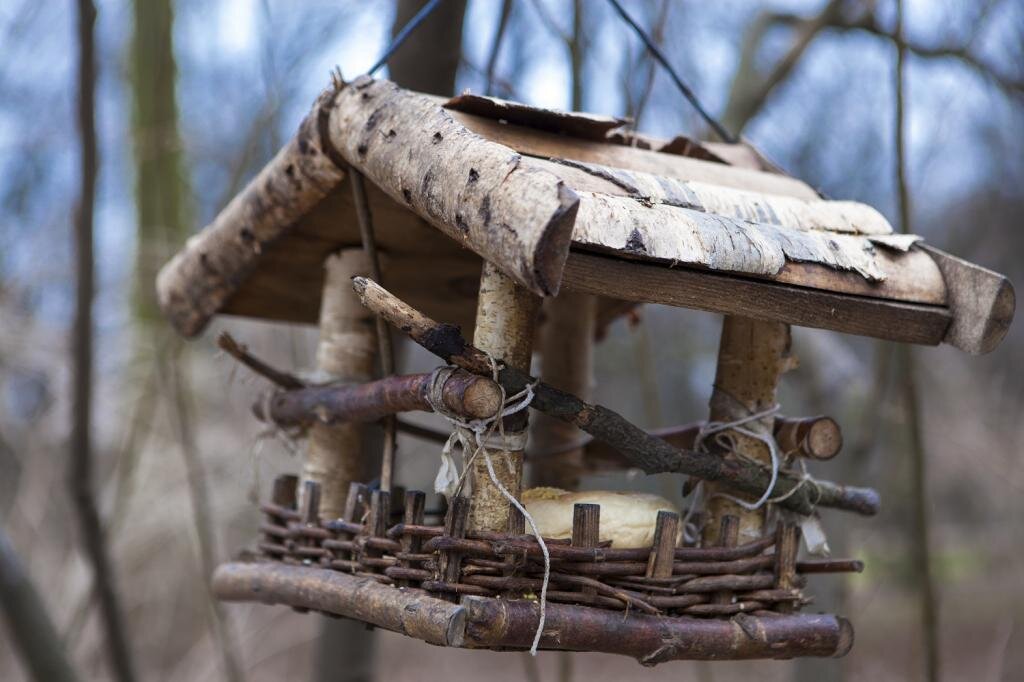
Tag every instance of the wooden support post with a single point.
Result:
(377, 527)
(728, 533)
(285, 491)
(566, 361)
(586, 531)
(347, 349)
(449, 562)
(275, 528)
(415, 501)
(663, 553)
(787, 545)
(752, 356)
(505, 322)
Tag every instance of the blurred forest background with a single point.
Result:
(194, 96)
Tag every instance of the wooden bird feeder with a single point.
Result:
(482, 212)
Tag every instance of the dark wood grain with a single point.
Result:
(762, 300)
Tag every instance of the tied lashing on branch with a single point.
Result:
(644, 450)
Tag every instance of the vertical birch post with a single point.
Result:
(506, 318)
(566, 362)
(346, 351)
(752, 355)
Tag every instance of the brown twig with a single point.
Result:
(468, 395)
(227, 343)
(385, 349)
(648, 452)
(80, 471)
(499, 34)
(920, 525)
(221, 626)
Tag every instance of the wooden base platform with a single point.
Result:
(500, 624)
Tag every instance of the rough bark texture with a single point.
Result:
(544, 144)
(468, 395)
(346, 352)
(982, 303)
(650, 639)
(752, 356)
(473, 190)
(648, 452)
(505, 325)
(799, 233)
(406, 612)
(510, 624)
(814, 437)
(770, 301)
(566, 362)
(463, 173)
(847, 217)
(200, 279)
(714, 240)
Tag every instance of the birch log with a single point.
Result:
(505, 323)
(346, 352)
(566, 362)
(201, 278)
(473, 190)
(752, 355)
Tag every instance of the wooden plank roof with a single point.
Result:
(555, 200)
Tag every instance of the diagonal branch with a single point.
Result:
(646, 451)
(751, 87)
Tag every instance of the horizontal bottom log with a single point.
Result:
(487, 623)
(407, 612)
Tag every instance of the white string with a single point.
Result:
(714, 427)
(482, 430)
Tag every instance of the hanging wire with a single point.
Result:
(683, 87)
(403, 34)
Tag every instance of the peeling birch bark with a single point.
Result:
(505, 325)
(473, 190)
(346, 352)
(687, 236)
(847, 217)
(214, 264)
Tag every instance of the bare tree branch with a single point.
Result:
(80, 471)
(751, 87)
(202, 517)
(921, 523)
(29, 625)
(499, 34)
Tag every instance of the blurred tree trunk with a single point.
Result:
(428, 62)
(429, 59)
(161, 203)
(160, 184)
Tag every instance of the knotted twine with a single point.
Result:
(478, 433)
(716, 428)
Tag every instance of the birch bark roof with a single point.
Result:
(453, 182)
